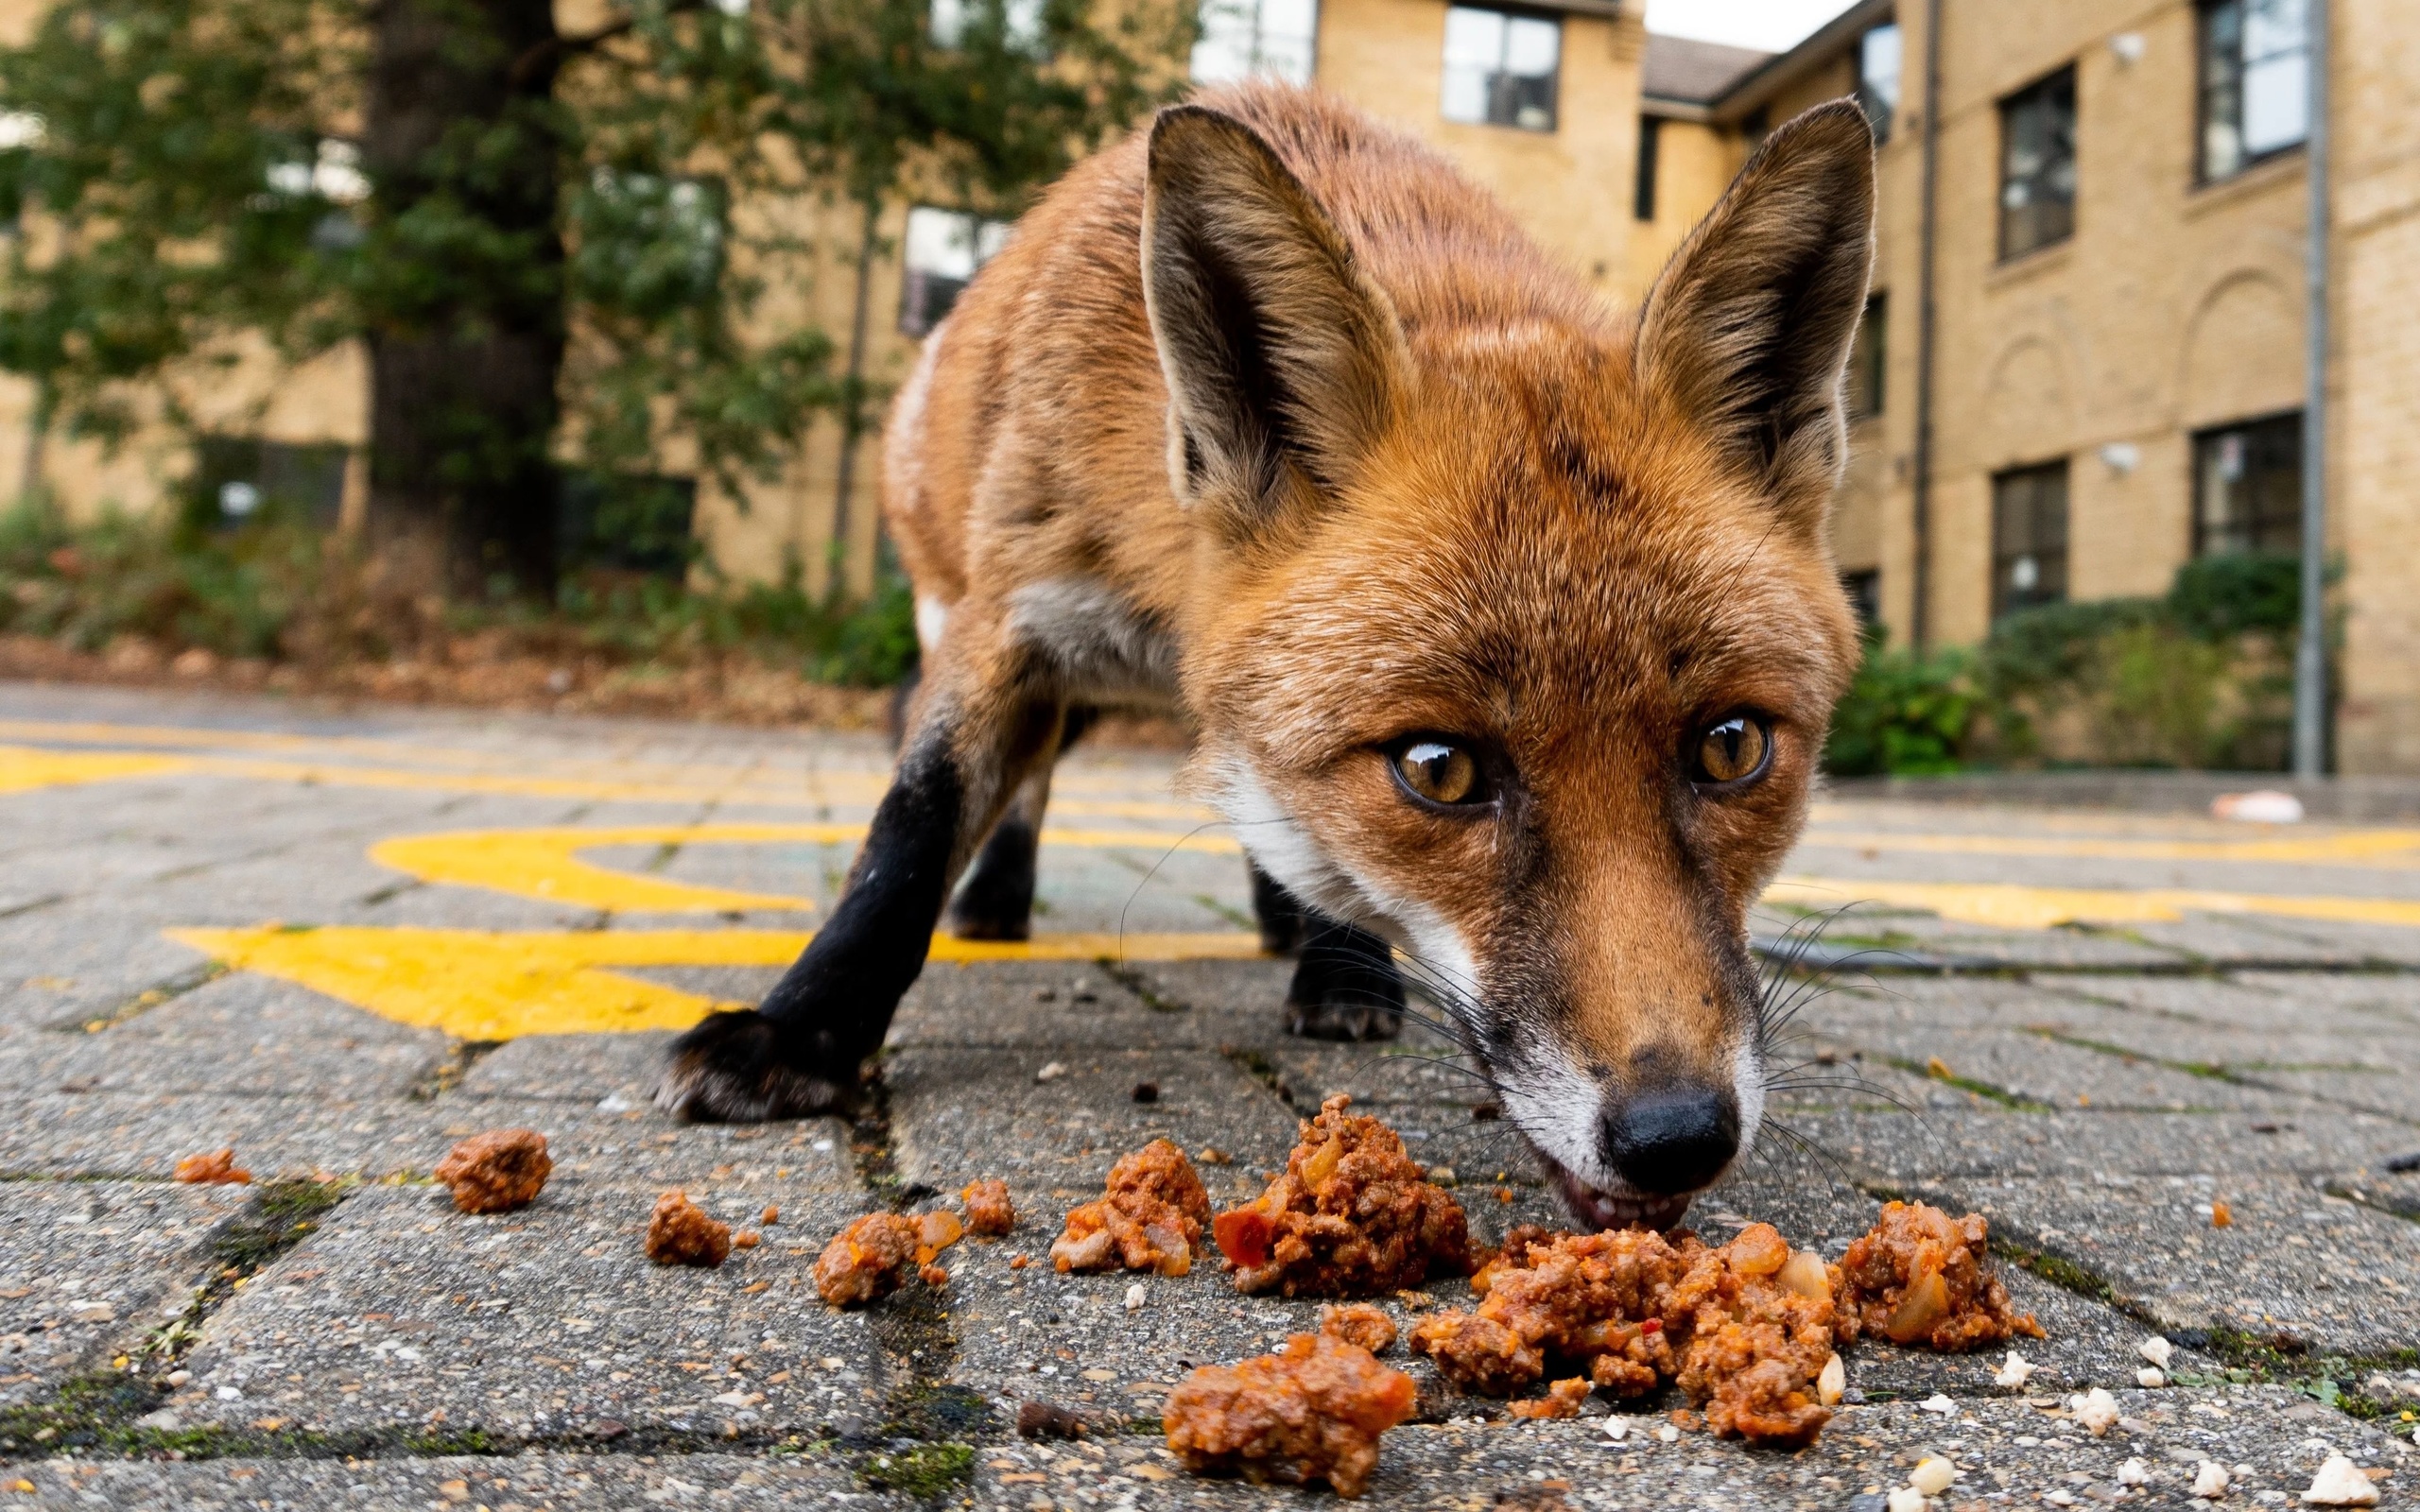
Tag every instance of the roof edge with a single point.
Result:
(1770, 79)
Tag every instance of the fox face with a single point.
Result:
(1515, 638)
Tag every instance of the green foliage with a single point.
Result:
(1904, 713)
(2198, 677)
(277, 590)
(622, 203)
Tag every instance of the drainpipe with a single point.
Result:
(2310, 646)
(1919, 613)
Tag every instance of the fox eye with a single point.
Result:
(1731, 751)
(1440, 772)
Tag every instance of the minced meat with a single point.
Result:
(681, 1233)
(1561, 1400)
(1360, 1323)
(988, 1210)
(1351, 1215)
(867, 1261)
(1745, 1330)
(498, 1171)
(1151, 1218)
(1922, 1277)
(1312, 1411)
(218, 1168)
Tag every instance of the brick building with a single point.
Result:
(2118, 278)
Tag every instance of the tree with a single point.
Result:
(509, 218)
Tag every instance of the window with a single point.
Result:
(2256, 81)
(2038, 164)
(240, 480)
(1877, 77)
(1867, 356)
(2029, 538)
(1650, 131)
(1500, 68)
(1020, 22)
(2248, 486)
(1239, 38)
(1864, 590)
(944, 248)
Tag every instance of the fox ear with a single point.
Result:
(1282, 359)
(1747, 331)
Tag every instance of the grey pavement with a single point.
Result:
(336, 1334)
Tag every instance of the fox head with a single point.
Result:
(1515, 628)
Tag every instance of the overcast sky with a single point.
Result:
(1771, 24)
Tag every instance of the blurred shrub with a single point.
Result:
(2200, 678)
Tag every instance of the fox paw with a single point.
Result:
(732, 1069)
(1342, 1019)
(975, 922)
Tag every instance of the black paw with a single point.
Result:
(1336, 1019)
(1279, 915)
(733, 1068)
(968, 922)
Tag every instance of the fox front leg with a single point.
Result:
(799, 1052)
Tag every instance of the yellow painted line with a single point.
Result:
(1099, 794)
(24, 769)
(481, 985)
(544, 863)
(2007, 905)
(2396, 850)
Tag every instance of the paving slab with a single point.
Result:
(2007, 1451)
(2297, 1266)
(1954, 1142)
(2018, 1066)
(88, 1268)
(579, 1068)
(402, 1313)
(247, 1034)
(1069, 1005)
(523, 1483)
(67, 1135)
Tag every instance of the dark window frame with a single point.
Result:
(1554, 80)
(1650, 149)
(915, 285)
(1870, 358)
(2050, 557)
(2281, 424)
(2044, 92)
(2205, 89)
(295, 482)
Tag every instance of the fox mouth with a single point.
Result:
(1600, 1209)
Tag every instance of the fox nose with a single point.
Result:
(1674, 1139)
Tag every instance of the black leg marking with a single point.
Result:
(1345, 986)
(798, 1053)
(996, 900)
(1281, 918)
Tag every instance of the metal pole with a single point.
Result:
(2310, 649)
(1920, 523)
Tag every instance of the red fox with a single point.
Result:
(1508, 625)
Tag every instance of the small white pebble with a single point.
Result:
(2340, 1483)
(178, 1378)
(1051, 1072)
(1937, 1403)
(1832, 1382)
(2156, 1349)
(1932, 1475)
(1907, 1499)
(2059, 1498)
(2149, 1378)
(1134, 1296)
(2096, 1408)
(2135, 1472)
(1668, 1434)
(2016, 1372)
(2210, 1480)
(230, 1394)
(1617, 1426)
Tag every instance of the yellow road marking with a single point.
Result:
(2396, 850)
(23, 769)
(2007, 905)
(545, 863)
(482, 985)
